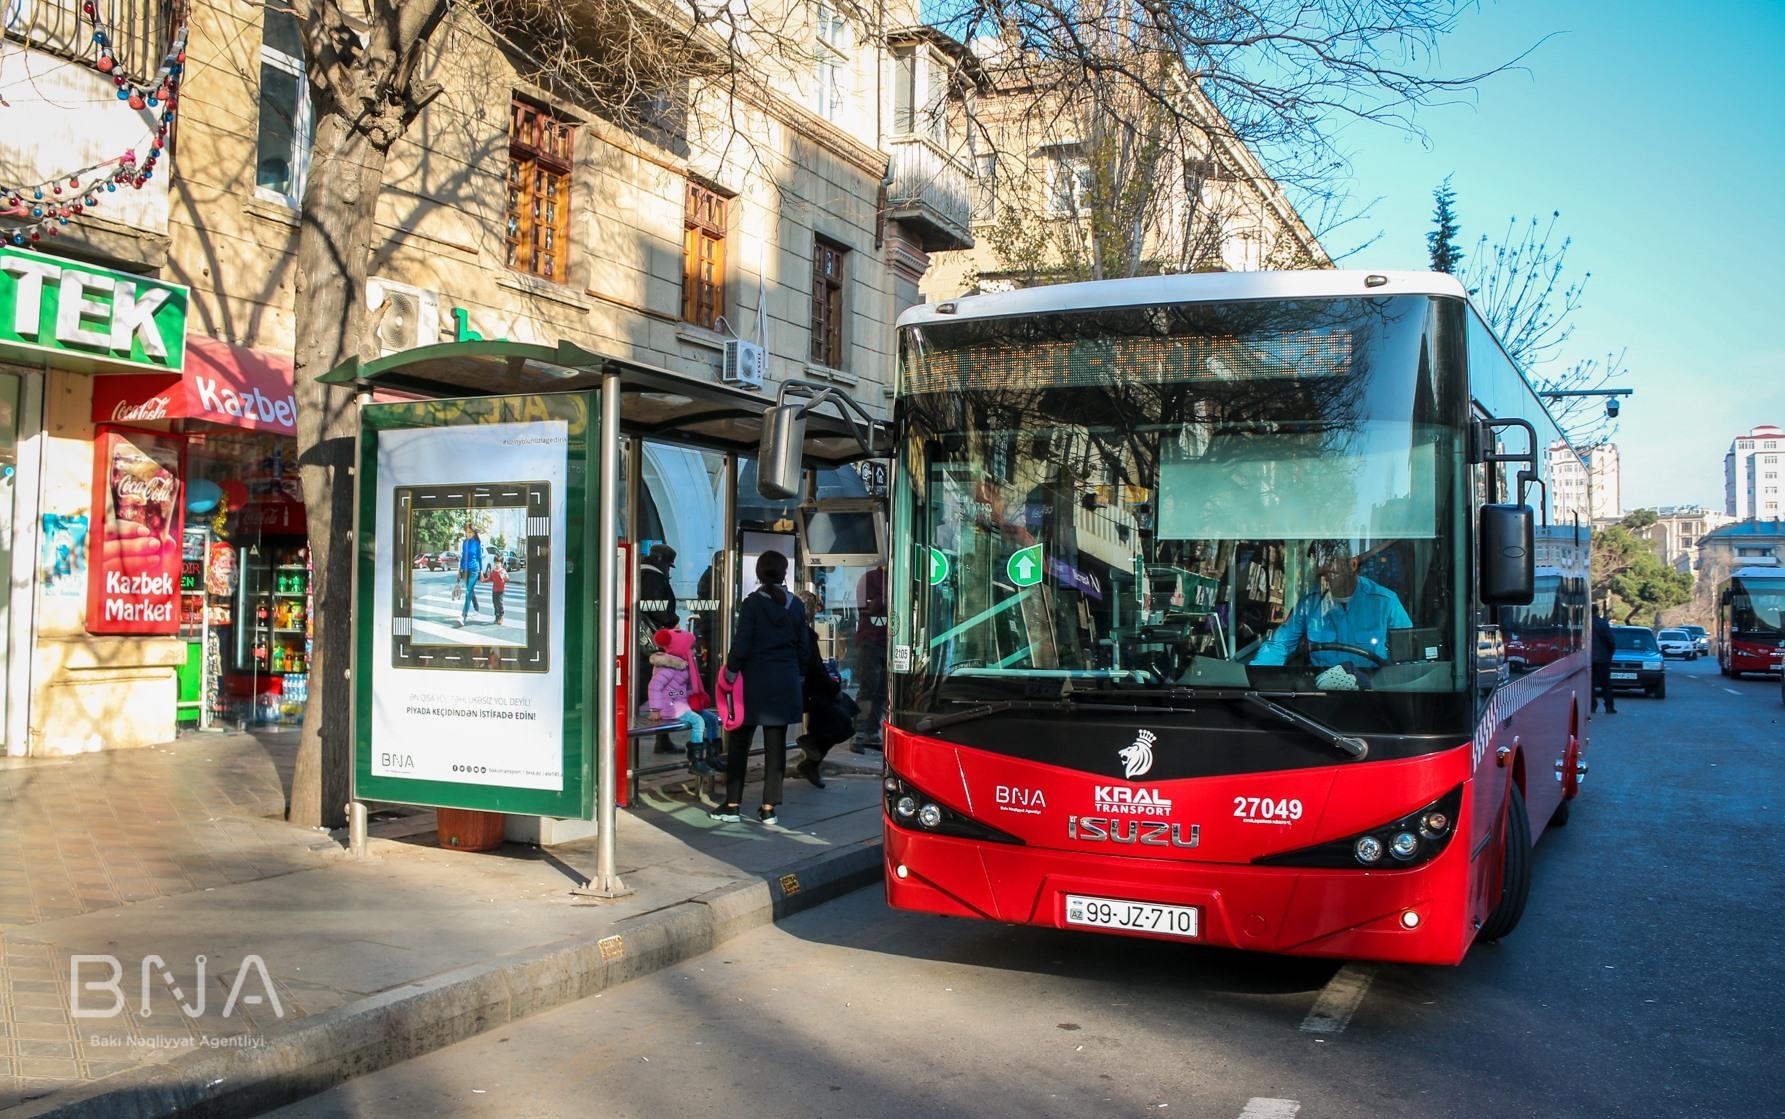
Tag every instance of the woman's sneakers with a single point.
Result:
(766, 815)
(725, 814)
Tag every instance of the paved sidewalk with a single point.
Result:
(317, 966)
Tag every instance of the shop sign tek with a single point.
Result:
(55, 306)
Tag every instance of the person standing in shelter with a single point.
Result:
(470, 571)
(656, 608)
(830, 711)
(1604, 645)
(767, 651)
(870, 656)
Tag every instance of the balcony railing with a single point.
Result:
(932, 192)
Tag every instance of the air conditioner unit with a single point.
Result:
(410, 315)
(742, 364)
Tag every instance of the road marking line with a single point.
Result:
(1339, 1000)
(1263, 1107)
(1732, 691)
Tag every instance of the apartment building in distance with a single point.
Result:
(1677, 531)
(1588, 488)
(1752, 470)
(1074, 177)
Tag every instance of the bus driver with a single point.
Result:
(1348, 610)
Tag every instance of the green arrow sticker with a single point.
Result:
(1025, 566)
(938, 566)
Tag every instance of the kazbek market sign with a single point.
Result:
(52, 306)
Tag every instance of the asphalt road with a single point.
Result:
(1645, 981)
(436, 611)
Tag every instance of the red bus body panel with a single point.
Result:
(1754, 656)
(1296, 910)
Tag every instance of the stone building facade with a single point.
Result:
(760, 215)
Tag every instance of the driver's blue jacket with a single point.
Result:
(1362, 621)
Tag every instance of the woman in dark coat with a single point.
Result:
(768, 649)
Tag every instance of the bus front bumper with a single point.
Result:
(1412, 916)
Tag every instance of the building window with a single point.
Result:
(282, 151)
(985, 187)
(920, 94)
(539, 158)
(828, 273)
(831, 59)
(703, 257)
(1069, 180)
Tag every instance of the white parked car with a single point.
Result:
(1677, 643)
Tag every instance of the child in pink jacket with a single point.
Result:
(676, 694)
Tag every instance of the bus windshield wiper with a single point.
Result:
(937, 722)
(1349, 745)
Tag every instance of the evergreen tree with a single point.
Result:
(1442, 241)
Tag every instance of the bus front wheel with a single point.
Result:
(1515, 872)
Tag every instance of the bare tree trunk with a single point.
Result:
(333, 240)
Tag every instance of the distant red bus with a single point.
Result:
(1200, 590)
(1751, 621)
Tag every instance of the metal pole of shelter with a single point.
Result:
(606, 882)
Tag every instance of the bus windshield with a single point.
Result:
(1757, 608)
(1187, 498)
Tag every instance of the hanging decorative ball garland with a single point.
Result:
(48, 206)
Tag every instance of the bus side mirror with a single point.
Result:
(780, 453)
(1508, 546)
(1726, 597)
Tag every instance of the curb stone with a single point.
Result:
(310, 1055)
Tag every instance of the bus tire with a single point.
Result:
(1515, 872)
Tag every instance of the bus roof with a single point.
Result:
(1199, 287)
(1773, 572)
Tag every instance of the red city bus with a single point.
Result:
(1199, 592)
(1751, 621)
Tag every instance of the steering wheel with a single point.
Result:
(1338, 647)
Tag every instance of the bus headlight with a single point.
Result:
(910, 807)
(1413, 840)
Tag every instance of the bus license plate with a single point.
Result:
(1623, 676)
(1134, 916)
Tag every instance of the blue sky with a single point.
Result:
(1658, 131)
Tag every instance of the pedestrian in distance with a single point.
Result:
(830, 711)
(470, 571)
(870, 656)
(767, 652)
(1604, 645)
(498, 586)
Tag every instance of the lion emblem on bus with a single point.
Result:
(1138, 758)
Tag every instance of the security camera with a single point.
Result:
(1611, 407)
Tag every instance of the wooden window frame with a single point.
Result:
(541, 155)
(705, 222)
(830, 276)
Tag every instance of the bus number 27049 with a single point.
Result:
(1264, 808)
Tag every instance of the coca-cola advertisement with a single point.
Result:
(133, 584)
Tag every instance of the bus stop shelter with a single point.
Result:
(462, 395)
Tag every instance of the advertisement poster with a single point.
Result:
(134, 556)
(466, 648)
(62, 555)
